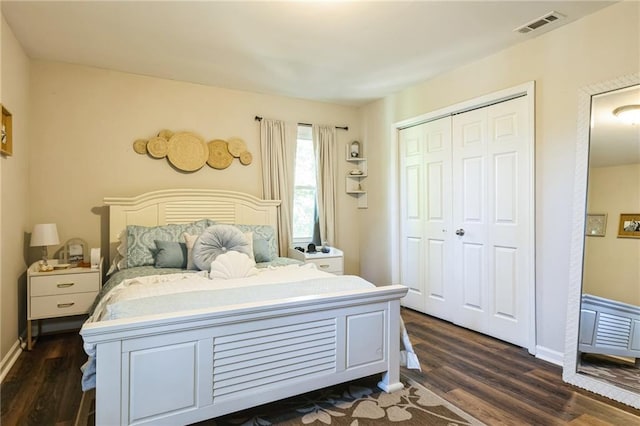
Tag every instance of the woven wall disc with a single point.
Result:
(165, 134)
(187, 152)
(140, 146)
(236, 147)
(246, 158)
(219, 156)
(157, 147)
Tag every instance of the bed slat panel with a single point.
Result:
(186, 212)
(276, 355)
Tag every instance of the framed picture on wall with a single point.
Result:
(6, 137)
(596, 225)
(629, 225)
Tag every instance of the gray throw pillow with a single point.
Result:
(216, 240)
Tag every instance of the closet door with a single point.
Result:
(491, 213)
(425, 211)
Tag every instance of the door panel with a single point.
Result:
(466, 219)
(425, 194)
(509, 146)
(411, 216)
(491, 176)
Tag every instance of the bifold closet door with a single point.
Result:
(491, 213)
(425, 211)
(465, 219)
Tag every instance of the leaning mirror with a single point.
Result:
(602, 350)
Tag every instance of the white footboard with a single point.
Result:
(609, 327)
(187, 368)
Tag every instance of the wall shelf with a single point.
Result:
(356, 173)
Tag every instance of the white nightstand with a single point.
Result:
(329, 262)
(59, 293)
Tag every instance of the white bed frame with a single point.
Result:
(609, 327)
(191, 366)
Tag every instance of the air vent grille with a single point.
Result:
(539, 22)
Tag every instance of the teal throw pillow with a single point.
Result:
(171, 254)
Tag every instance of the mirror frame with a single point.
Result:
(570, 373)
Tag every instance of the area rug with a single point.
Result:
(357, 403)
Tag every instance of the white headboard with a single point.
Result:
(187, 205)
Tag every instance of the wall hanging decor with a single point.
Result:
(188, 152)
(6, 140)
(219, 155)
(629, 225)
(596, 225)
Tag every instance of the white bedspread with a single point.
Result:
(161, 294)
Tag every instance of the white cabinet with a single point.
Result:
(60, 293)
(356, 174)
(332, 262)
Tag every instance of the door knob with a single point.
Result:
(460, 232)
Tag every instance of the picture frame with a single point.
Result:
(6, 137)
(596, 225)
(629, 225)
(75, 252)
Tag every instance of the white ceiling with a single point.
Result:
(612, 142)
(348, 52)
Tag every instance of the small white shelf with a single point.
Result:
(354, 182)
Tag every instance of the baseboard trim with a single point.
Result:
(549, 355)
(10, 358)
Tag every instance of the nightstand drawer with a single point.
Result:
(64, 284)
(61, 305)
(328, 264)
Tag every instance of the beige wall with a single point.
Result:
(14, 191)
(598, 47)
(82, 123)
(612, 269)
(85, 120)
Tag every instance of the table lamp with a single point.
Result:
(44, 234)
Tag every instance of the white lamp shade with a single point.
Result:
(44, 234)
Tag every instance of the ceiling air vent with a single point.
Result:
(539, 22)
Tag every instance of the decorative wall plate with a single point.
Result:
(140, 146)
(219, 156)
(157, 147)
(187, 152)
(166, 134)
(246, 158)
(236, 147)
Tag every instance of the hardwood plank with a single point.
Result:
(481, 409)
(498, 383)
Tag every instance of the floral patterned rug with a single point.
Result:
(357, 403)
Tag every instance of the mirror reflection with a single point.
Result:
(609, 341)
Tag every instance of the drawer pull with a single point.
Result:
(65, 285)
(324, 266)
(66, 305)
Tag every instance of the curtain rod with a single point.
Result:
(258, 118)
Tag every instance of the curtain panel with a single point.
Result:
(277, 151)
(325, 148)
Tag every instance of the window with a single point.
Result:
(304, 189)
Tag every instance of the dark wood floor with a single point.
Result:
(498, 383)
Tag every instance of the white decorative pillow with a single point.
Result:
(217, 240)
(120, 259)
(232, 264)
(249, 237)
(190, 240)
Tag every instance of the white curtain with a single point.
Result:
(324, 144)
(277, 149)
